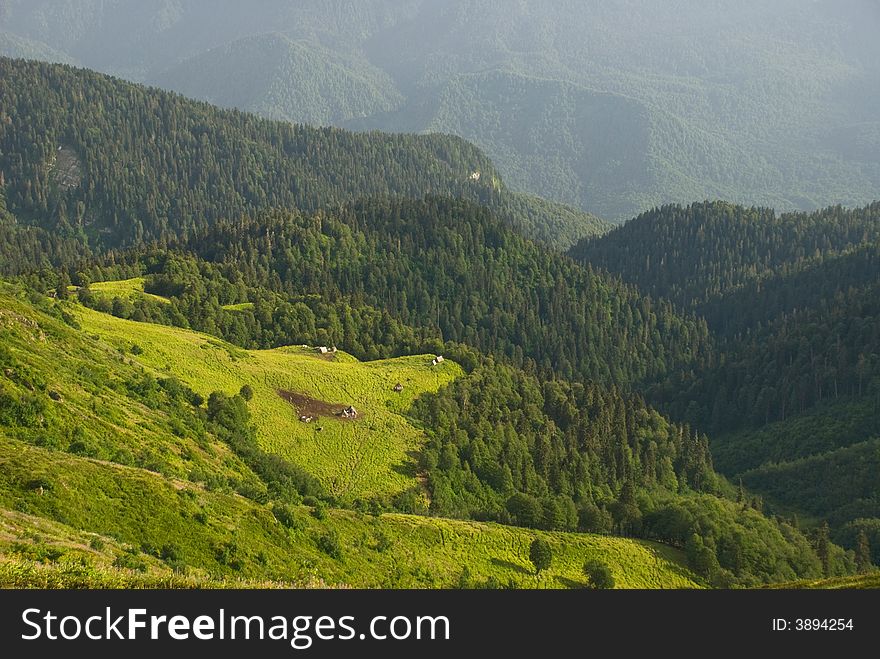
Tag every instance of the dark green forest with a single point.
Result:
(145, 165)
(589, 404)
(612, 106)
(791, 395)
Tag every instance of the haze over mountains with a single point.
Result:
(610, 106)
(702, 382)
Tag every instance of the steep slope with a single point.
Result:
(108, 468)
(15, 46)
(454, 266)
(791, 396)
(216, 535)
(152, 165)
(367, 457)
(761, 103)
(699, 254)
(556, 139)
(147, 165)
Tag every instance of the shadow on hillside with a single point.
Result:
(408, 468)
(512, 566)
(570, 583)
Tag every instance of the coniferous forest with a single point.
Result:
(706, 377)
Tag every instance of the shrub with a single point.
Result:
(330, 545)
(129, 561)
(598, 575)
(285, 515)
(229, 554)
(383, 542)
(540, 554)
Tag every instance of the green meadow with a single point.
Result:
(126, 289)
(107, 481)
(870, 580)
(134, 517)
(361, 458)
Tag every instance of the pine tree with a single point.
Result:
(822, 548)
(863, 553)
(61, 291)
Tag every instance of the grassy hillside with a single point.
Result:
(361, 458)
(126, 289)
(133, 512)
(109, 480)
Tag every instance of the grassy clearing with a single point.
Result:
(218, 536)
(75, 574)
(97, 487)
(126, 289)
(243, 306)
(369, 457)
(87, 404)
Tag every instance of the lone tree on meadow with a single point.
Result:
(598, 575)
(540, 554)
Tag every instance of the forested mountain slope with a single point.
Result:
(277, 78)
(501, 447)
(699, 254)
(791, 395)
(147, 165)
(614, 107)
(116, 470)
(453, 265)
(533, 419)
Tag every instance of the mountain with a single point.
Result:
(124, 413)
(177, 270)
(18, 47)
(114, 474)
(791, 394)
(277, 78)
(737, 266)
(614, 107)
(150, 165)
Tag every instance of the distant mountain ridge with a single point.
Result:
(150, 165)
(281, 79)
(614, 107)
